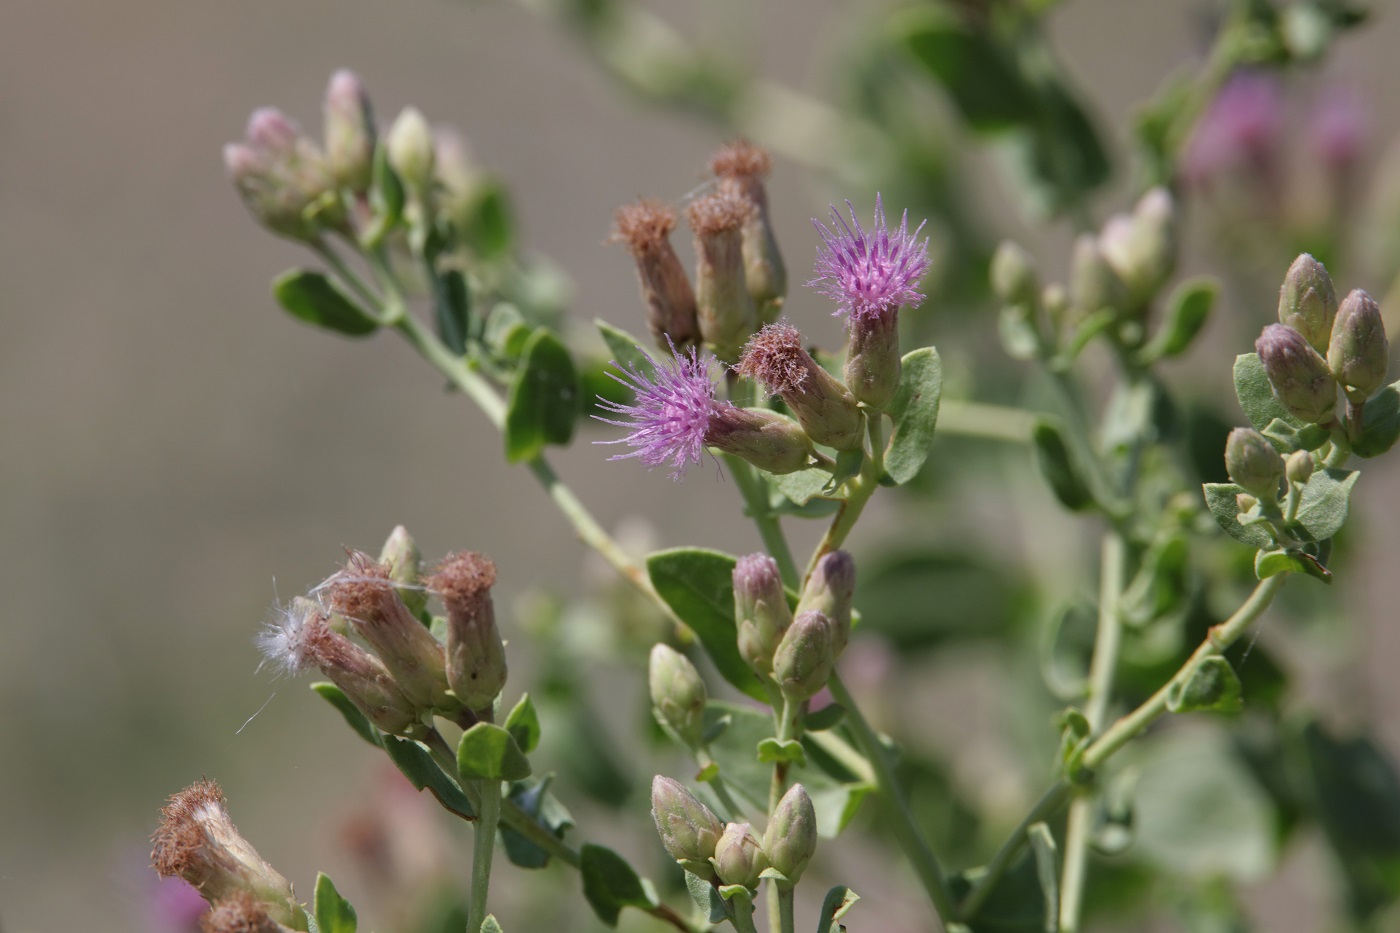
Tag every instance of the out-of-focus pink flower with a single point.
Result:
(175, 906)
(1339, 128)
(1242, 128)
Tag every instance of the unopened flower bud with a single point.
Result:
(760, 609)
(803, 662)
(645, 227)
(1093, 284)
(687, 828)
(739, 856)
(791, 837)
(1244, 502)
(830, 590)
(741, 168)
(350, 134)
(724, 307)
(1141, 249)
(1359, 354)
(1307, 302)
(476, 656)
(677, 694)
(197, 841)
(283, 178)
(1300, 378)
(365, 595)
(410, 146)
(1298, 467)
(873, 365)
(1013, 274)
(766, 439)
(1253, 463)
(401, 557)
(240, 912)
(828, 413)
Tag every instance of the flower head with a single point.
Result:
(870, 273)
(671, 412)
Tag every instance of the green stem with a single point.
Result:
(1101, 669)
(1048, 804)
(907, 834)
(986, 422)
(483, 850)
(720, 788)
(347, 275)
(787, 728)
(770, 529)
(743, 914)
(787, 921)
(859, 489)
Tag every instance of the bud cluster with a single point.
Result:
(362, 635)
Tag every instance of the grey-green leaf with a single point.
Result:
(1220, 499)
(491, 925)
(838, 900)
(1256, 395)
(1326, 499)
(707, 899)
(487, 752)
(1060, 467)
(523, 724)
(915, 413)
(1380, 423)
(1188, 309)
(626, 350)
(1211, 685)
(544, 398)
(610, 883)
(319, 300)
(333, 912)
(423, 772)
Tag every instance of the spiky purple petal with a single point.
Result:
(870, 273)
(671, 412)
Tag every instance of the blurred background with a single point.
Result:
(177, 453)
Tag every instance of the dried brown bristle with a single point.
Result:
(741, 159)
(775, 357)
(644, 225)
(240, 912)
(358, 590)
(718, 213)
(178, 836)
(462, 575)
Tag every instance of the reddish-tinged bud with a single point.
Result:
(197, 841)
(240, 912)
(1141, 249)
(739, 856)
(1253, 463)
(1359, 354)
(724, 307)
(687, 828)
(805, 656)
(350, 135)
(1300, 378)
(766, 439)
(791, 837)
(283, 178)
(831, 590)
(273, 131)
(1307, 302)
(760, 609)
(476, 656)
(365, 594)
(678, 694)
(828, 413)
(645, 227)
(741, 168)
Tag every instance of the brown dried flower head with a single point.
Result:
(644, 226)
(240, 912)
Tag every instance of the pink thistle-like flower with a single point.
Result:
(671, 413)
(870, 274)
(1242, 127)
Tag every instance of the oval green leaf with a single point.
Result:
(544, 398)
(1211, 685)
(610, 884)
(487, 752)
(318, 300)
(423, 772)
(914, 411)
(333, 912)
(523, 724)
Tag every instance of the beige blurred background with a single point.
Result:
(175, 452)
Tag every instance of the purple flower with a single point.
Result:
(1339, 128)
(672, 410)
(870, 274)
(1241, 128)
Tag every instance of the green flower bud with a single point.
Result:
(411, 151)
(1301, 381)
(687, 828)
(1253, 463)
(828, 413)
(791, 837)
(1307, 302)
(739, 856)
(350, 135)
(1093, 284)
(1298, 467)
(1244, 502)
(400, 555)
(476, 656)
(830, 590)
(768, 440)
(1013, 274)
(677, 694)
(741, 168)
(724, 307)
(803, 662)
(872, 360)
(760, 609)
(645, 227)
(1359, 354)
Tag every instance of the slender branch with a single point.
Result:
(911, 840)
(984, 421)
(1048, 804)
(331, 258)
(483, 850)
(770, 529)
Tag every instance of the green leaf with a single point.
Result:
(800, 487)
(828, 717)
(1017, 903)
(1060, 467)
(423, 772)
(386, 199)
(452, 309)
(533, 797)
(1198, 812)
(491, 925)
(626, 350)
(1220, 499)
(848, 464)
(485, 223)
(714, 908)
(356, 719)
(544, 398)
(523, 724)
(834, 906)
(1271, 563)
(771, 751)
(1256, 395)
(979, 75)
(1380, 423)
(333, 912)
(698, 585)
(506, 331)
(319, 300)
(1210, 686)
(914, 411)
(1188, 308)
(1019, 337)
(1326, 499)
(487, 752)
(610, 884)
